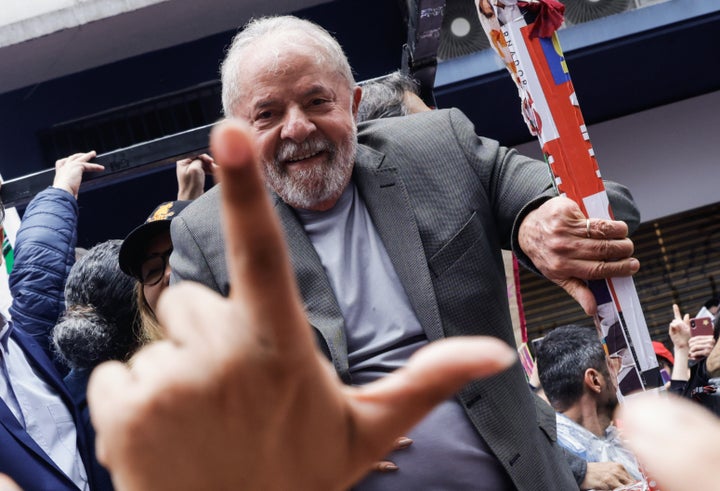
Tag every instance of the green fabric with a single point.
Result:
(7, 252)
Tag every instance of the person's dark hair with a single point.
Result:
(713, 302)
(384, 97)
(101, 319)
(562, 358)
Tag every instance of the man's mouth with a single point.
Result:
(302, 157)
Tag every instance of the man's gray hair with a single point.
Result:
(384, 97)
(329, 51)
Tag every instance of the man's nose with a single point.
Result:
(297, 126)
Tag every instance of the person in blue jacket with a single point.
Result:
(43, 443)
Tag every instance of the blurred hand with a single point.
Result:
(7, 484)
(700, 347)
(485, 8)
(69, 171)
(191, 175)
(679, 329)
(238, 396)
(674, 439)
(606, 475)
(555, 238)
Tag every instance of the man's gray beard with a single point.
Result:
(309, 187)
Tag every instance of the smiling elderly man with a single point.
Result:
(395, 230)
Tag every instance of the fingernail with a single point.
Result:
(403, 442)
(389, 466)
(509, 356)
(232, 145)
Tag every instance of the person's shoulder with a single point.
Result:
(421, 118)
(208, 202)
(52, 199)
(427, 127)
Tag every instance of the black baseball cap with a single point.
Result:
(133, 247)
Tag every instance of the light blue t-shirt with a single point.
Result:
(592, 448)
(382, 332)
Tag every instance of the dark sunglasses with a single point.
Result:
(153, 268)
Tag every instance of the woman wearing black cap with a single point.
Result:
(144, 255)
(145, 251)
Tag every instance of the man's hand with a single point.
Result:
(606, 475)
(679, 329)
(700, 347)
(557, 239)
(191, 175)
(238, 396)
(674, 439)
(69, 171)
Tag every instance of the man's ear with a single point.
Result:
(594, 380)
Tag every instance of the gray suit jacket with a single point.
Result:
(445, 202)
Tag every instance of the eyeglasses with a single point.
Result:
(152, 270)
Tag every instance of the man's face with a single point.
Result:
(303, 115)
(610, 392)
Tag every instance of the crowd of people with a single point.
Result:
(332, 315)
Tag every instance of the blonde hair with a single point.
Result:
(150, 329)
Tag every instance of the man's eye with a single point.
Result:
(264, 115)
(318, 102)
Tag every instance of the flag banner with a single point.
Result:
(8, 230)
(523, 33)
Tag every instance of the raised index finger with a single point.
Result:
(259, 270)
(676, 312)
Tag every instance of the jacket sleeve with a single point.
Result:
(44, 254)
(198, 245)
(517, 184)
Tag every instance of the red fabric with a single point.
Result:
(518, 300)
(663, 352)
(549, 16)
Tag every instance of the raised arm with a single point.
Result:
(191, 175)
(45, 250)
(713, 361)
(679, 331)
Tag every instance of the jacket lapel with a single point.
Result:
(13, 427)
(388, 202)
(321, 306)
